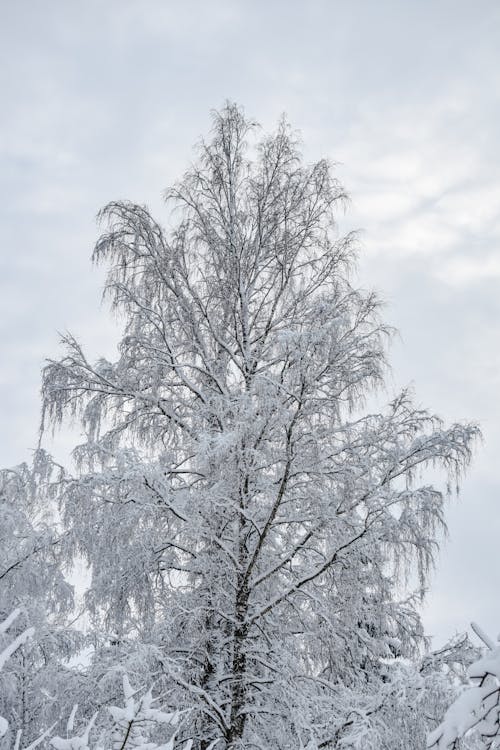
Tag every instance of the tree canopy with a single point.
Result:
(249, 526)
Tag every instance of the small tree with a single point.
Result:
(245, 523)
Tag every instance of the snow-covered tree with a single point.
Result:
(6, 651)
(475, 713)
(248, 526)
(129, 728)
(33, 586)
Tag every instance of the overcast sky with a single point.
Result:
(104, 100)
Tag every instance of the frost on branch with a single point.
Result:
(247, 523)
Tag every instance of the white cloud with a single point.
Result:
(468, 270)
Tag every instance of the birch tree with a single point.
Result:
(33, 587)
(248, 524)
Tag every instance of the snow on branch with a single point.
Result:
(477, 709)
(7, 652)
(132, 725)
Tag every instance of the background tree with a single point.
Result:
(128, 725)
(7, 650)
(32, 584)
(247, 525)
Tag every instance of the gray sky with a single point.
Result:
(103, 100)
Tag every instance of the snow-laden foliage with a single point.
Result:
(32, 584)
(30, 576)
(249, 528)
(131, 726)
(6, 654)
(476, 711)
(7, 651)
